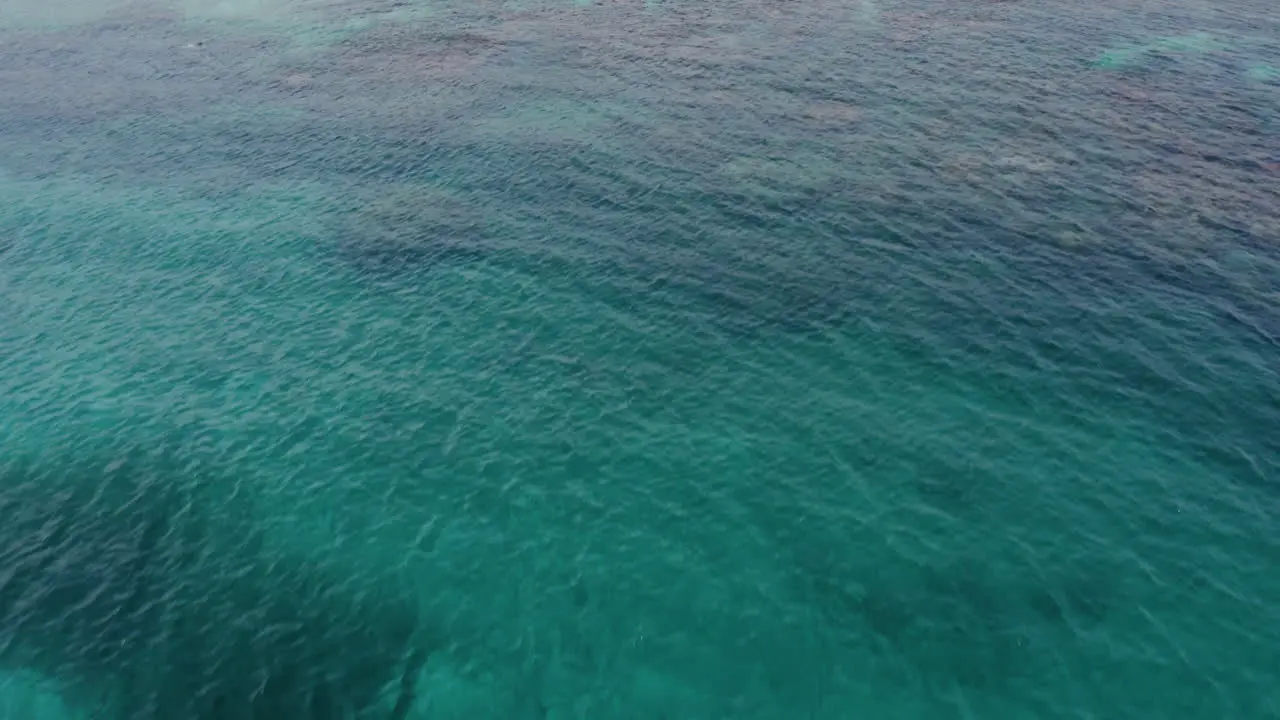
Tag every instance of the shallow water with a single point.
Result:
(545, 359)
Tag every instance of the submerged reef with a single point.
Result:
(402, 226)
(148, 595)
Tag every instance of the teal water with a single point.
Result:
(889, 359)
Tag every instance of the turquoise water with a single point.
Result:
(888, 359)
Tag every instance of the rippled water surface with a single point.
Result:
(658, 360)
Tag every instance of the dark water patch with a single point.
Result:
(409, 227)
(413, 55)
(666, 248)
(1097, 291)
(148, 592)
(1083, 603)
(942, 627)
(95, 72)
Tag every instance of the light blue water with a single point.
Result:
(675, 360)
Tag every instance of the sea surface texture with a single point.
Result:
(667, 360)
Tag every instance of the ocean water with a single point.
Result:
(652, 360)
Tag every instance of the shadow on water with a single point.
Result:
(147, 594)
